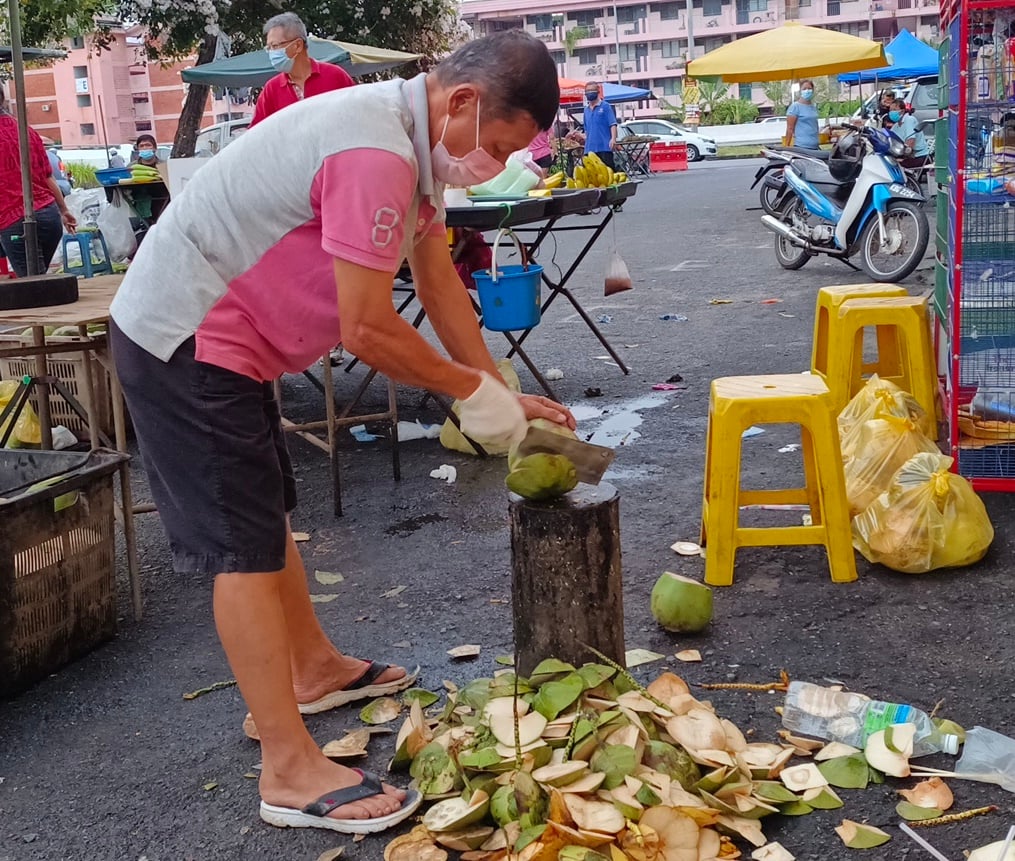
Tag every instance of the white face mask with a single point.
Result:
(472, 168)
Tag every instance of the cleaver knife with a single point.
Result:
(590, 461)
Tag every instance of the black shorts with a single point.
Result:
(213, 446)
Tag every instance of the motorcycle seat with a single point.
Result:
(821, 154)
(815, 172)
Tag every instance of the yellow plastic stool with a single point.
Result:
(908, 319)
(827, 309)
(736, 403)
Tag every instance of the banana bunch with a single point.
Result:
(593, 173)
(554, 180)
(143, 173)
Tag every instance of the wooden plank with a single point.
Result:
(96, 294)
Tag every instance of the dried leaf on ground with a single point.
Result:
(322, 599)
(301, 536)
(466, 651)
(331, 854)
(208, 787)
(688, 656)
(328, 578)
(637, 657)
(394, 593)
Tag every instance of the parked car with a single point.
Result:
(213, 139)
(781, 119)
(698, 147)
(921, 95)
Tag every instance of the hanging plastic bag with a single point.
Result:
(883, 445)
(27, 429)
(928, 518)
(878, 399)
(114, 222)
(85, 205)
(618, 279)
(453, 439)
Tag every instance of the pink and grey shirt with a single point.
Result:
(242, 259)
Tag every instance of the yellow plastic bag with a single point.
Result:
(452, 438)
(27, 429)
(878, 399)
(929, 518)
(883, 445)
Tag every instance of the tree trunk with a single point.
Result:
(193, 107)
(566, 583)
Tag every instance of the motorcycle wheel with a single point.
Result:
(790, 256)
(907, 232)
(771, 198)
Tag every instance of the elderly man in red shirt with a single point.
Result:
(299, 76)
(51, 213)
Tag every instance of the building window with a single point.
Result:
(627, 53)
(558, 57)
(667, 11)
(87, 129)
(77, 43)
(713, 42)
(80, 72)
(803, 2)
(630, 14)
(143, 126)
(542, 23)
(586, 18)
(744, 91)
(588, 56)
(711, 8)
(140, 98)
(84, 101)
(671, 86)
(671, 48)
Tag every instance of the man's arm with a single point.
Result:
(613, 126)
(69, 222)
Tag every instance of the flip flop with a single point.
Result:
(361, 689)
(315, 814)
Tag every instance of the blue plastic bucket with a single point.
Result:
(509, 296)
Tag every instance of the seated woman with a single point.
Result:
(907, 127)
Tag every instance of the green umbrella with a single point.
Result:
(253, 69)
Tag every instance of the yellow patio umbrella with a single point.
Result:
(791, 51)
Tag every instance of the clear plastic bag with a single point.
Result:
(989, 757)
(878, 399)
(114, 222)
(882, 446)
(453, 439)
(928, 518)
(618, 279)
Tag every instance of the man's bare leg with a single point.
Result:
(318, 668)
(252, 627)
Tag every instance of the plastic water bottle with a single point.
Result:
(850, 718)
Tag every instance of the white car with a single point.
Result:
(698, 147)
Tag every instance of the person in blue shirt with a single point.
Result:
(907, 128)
(802, 119)
(600, 125)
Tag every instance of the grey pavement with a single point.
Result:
(105, 760)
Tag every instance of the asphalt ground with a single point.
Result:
(106, 760)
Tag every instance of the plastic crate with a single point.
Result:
(112, 175)
(69, 369)
(57, 563)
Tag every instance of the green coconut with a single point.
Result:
(435, 771)
(680, 604)
(542, 476)
(672, 761)
(542, 424)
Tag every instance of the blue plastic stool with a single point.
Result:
(85, 239)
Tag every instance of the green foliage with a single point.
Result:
(778, 93)
(46, 23)
(572, 37)
(733, 111)
(82, 174)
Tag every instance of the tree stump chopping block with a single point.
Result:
(566, 584)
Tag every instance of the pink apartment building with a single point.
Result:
(654, 40)
(105, 98)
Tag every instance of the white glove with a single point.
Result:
(493, 414)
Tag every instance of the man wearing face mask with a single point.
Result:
(299, 76)
(600, 125)
(145, 151)
(207, 317)
(802, 119)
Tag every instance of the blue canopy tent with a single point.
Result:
(910, 58)
(617, 93)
